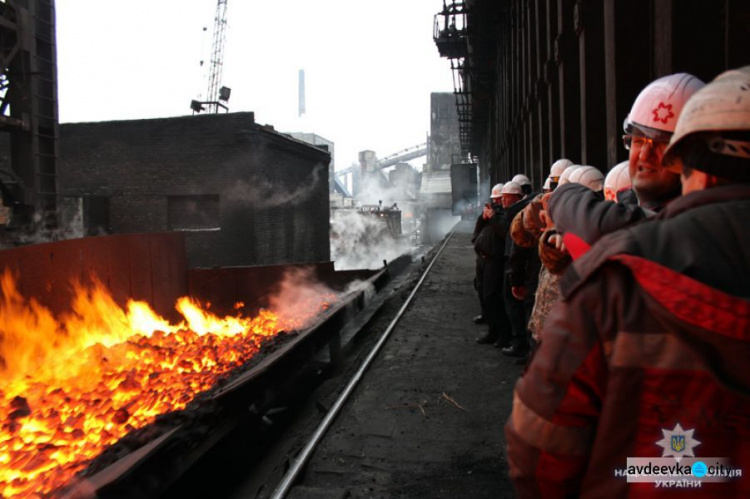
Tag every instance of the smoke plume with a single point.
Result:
(361, 241)
(300, 295)
(261, 192)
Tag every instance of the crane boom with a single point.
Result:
(217, 53)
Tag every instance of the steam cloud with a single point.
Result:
(70, 228)
(260, 192)
(300, 295)
(360, 241)
(373, 192)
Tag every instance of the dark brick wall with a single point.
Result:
(273, 190)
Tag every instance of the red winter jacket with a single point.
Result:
(653, 330)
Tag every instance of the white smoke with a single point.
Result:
(301, 296)
(375, 188)
(439, 223)
(366, 286)
(261, 192)
(70, 227)
(362, 241)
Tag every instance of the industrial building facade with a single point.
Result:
(537, 80)
(241, 193)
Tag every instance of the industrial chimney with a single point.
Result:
(301, 92)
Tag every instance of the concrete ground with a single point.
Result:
(427, 419)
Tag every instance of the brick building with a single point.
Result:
(242, 193)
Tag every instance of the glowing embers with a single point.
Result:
(73, 386)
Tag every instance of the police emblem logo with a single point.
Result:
(678, 443)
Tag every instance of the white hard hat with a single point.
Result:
(512, 188)
(521, 179)
(547, 185)
(565, 175)
(656, 109)
(497, 191)
(618, 178)
(558, 167)
(713, 116)
(589, 176)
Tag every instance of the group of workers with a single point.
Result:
(501, 299)
(628, 300)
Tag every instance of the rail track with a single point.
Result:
(299, 462)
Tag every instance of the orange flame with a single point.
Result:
(70, 388)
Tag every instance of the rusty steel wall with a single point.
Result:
(148, 267)
(567, 71)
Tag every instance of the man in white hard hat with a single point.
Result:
(514, 201)
(646, 354)
(489, 245)
(556, 170)
(616, 181)
(581, 217)
(523, 274)
(478, 226)
(590, 177)
(524, 182)
(648, 127)
(511, 194)
(565, 175)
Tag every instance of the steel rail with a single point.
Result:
(291, 475)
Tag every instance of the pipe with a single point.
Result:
(286, 482)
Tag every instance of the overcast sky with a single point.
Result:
(370, 65)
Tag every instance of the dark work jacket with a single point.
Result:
(578, 210)
(490, 243)
(653, 329)
(524, 263)
(478, 226)
(523, 268)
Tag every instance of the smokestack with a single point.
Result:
(301, 92)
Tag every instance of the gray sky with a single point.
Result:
(370, 65)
